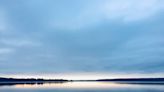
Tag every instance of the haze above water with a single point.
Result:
(82, 87)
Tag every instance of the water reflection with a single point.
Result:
(81, 87)
(78, 85)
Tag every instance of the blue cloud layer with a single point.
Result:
(81, 36)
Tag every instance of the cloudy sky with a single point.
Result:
(63, 36)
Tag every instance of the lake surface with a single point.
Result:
(82, 87)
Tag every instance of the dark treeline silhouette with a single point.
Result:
(32, 80)
(13, 83)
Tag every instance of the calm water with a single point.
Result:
(82, 87)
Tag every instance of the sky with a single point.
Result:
(81, 36)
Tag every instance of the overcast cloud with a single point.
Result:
(49, 36)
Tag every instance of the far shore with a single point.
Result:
(13, 81)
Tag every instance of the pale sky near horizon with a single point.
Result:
(67, 36)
